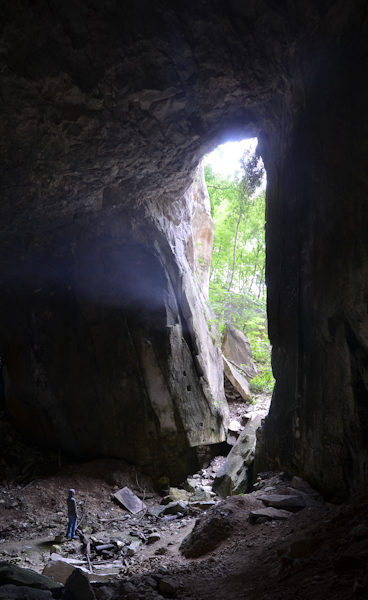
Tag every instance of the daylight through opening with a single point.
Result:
(236, 181)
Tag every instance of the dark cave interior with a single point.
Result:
(107, 109)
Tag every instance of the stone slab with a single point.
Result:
(269, 513)
(289, 502)
(129, 500)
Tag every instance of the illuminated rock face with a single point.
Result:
(107, 109)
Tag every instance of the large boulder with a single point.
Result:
(237, 379)
(236, 349)
(18, 576)
(233, 476)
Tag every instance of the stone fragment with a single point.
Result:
(234, 426)
(237, 379)
(236, 348)
(268, 514)
(59, 570)
(232, 477)
(133, 548)
(154, 511)
(129, 500)
(77, 587)
(153, 537)
(203, 504)
(161, 551)
(292, 503)
(201, 495)
(173, 508)
(177, 495)
(190, 484)
(13, 574)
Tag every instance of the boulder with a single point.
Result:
(208, 532)
(236, 349)
(233, 432)
(237, 379)
(129, 500)
(292, 503)
(60, 569)
(178, 495)
(174, 508)
(153, 537)
(12, 574)
(77, 587)
(232, 477)
(133, 548)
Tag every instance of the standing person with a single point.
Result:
(72, 515)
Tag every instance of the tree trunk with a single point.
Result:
(234, 252)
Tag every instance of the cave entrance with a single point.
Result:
(236, 181)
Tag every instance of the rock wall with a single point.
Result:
(317, 267)
(106, 111)
(107, 349)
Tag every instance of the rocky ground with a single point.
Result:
(281, 541)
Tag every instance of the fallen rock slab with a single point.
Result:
(237, 379)
(59, 570)
(269, 514)
(203, 504)
(236, 348)
(291, 503)
(129, 500)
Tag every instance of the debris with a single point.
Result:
(129, 500)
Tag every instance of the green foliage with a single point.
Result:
(237, 281)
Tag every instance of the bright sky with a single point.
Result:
(225, 158)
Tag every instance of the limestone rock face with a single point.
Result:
(202, 227)
(106, 111)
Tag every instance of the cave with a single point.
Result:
(107, 110)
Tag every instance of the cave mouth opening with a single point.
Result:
(236, 181)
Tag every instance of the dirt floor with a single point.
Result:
(320, 552)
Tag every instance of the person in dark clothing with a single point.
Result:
(72, 515)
